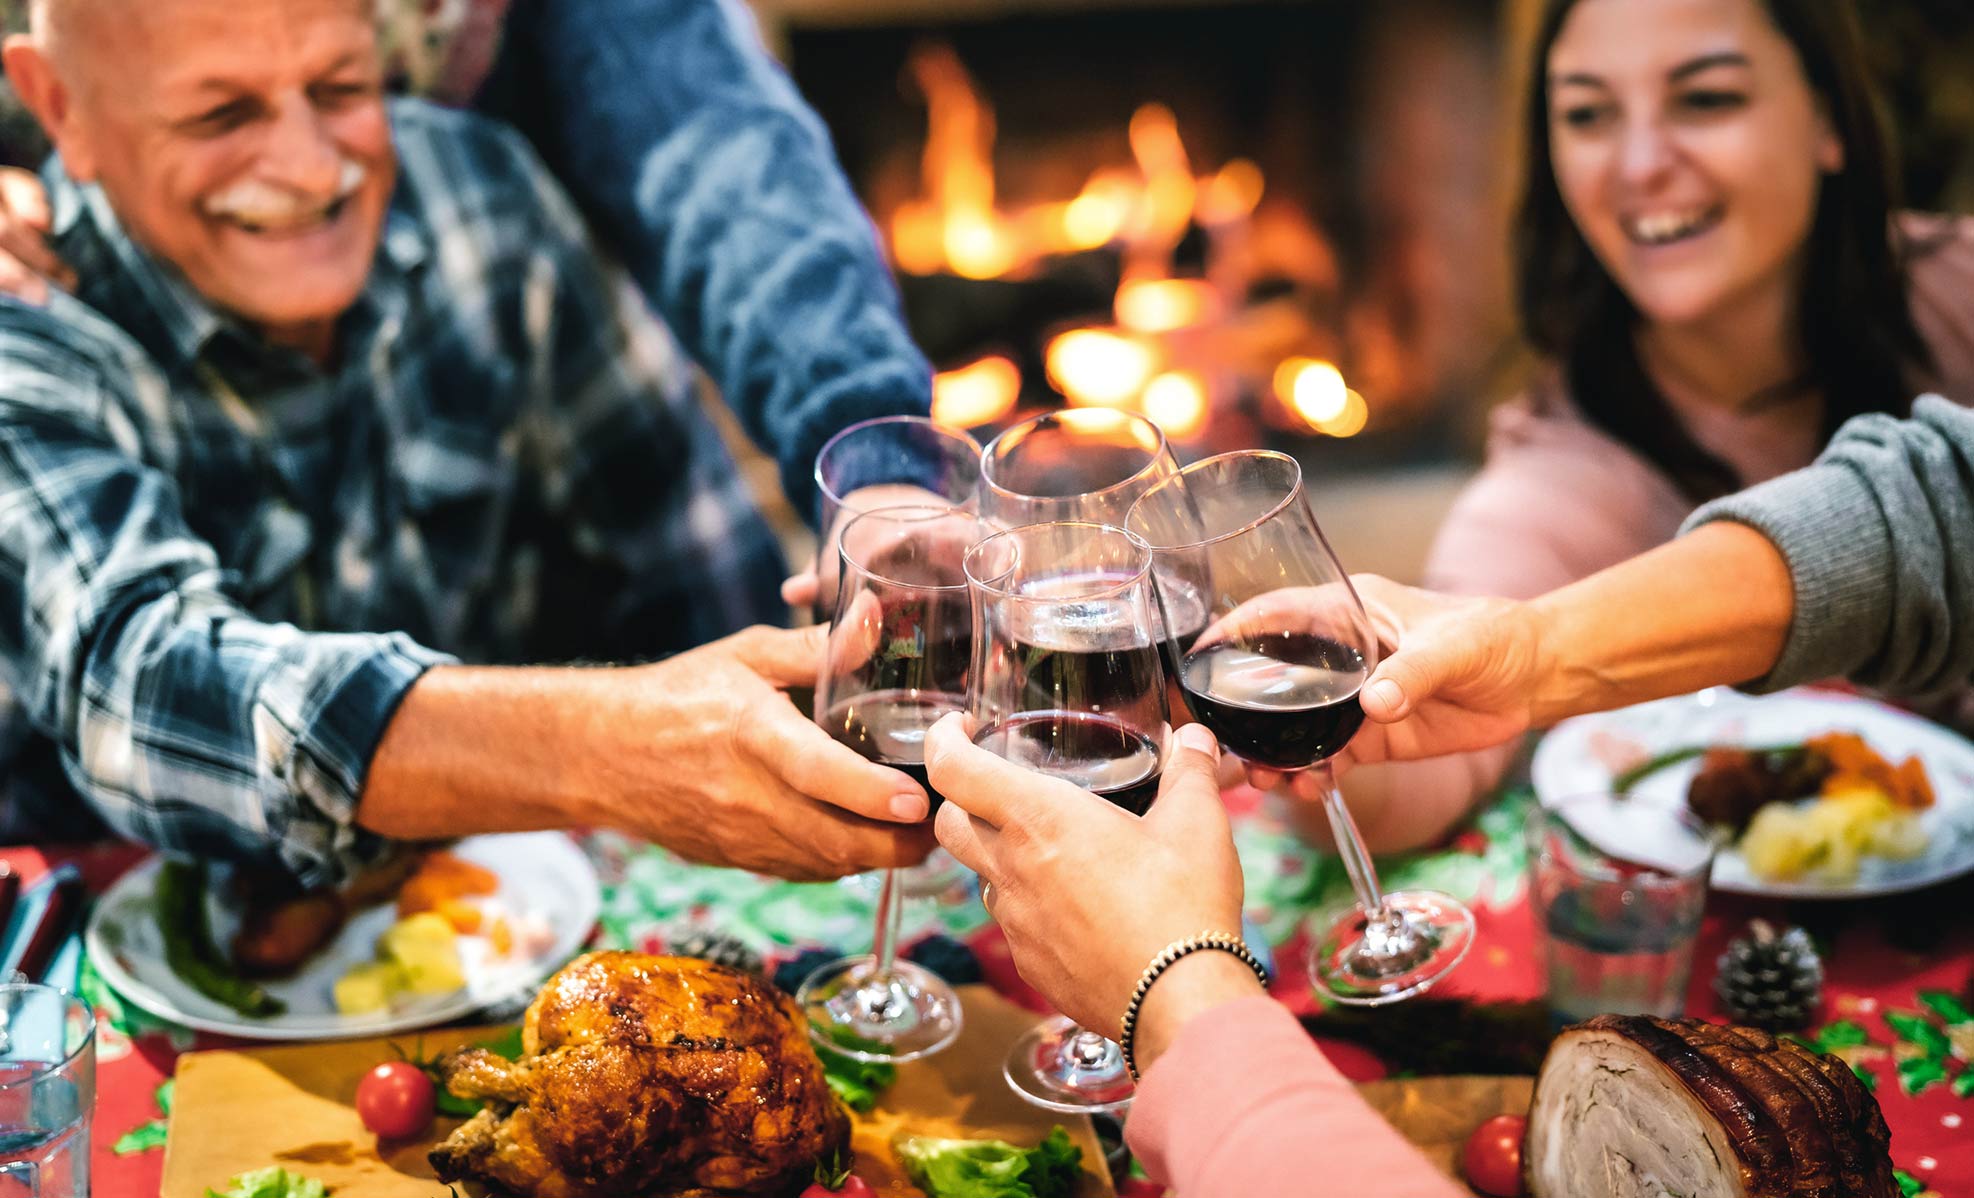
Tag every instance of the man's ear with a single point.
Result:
(32, 72)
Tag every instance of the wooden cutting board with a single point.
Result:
(1438, 1113)
(294, 1106)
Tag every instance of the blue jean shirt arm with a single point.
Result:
(705, 170)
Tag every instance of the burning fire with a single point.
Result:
(1156, 357)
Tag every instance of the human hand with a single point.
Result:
(27, 265)
(1086, 892)
(734, 775)
(815, 587)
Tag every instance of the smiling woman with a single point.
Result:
(1711, 260)
(259, 163)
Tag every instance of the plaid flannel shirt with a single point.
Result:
(221, 567)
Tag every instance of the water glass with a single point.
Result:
(1617, 885)
(47, 1092)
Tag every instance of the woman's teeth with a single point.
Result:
(1661, 228)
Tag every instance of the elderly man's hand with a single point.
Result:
(738, 777)
(27, 265)
(1086, 892)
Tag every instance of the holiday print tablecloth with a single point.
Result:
(1897, 993)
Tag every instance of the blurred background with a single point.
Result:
(1277, 222)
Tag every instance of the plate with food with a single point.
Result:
(1816, 794)
(428, 937)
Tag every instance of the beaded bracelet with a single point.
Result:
(1166, 958)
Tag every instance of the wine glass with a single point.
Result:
(899, 650)
(1276, 675)
(1075, 464)
(887, 461)
(1067, 682)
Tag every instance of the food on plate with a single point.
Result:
(418, 955)
(442, 882)
(179, 903)
(1491, 1159)
(1631, 1104)
(856, 1083)
(282, 924)
(834, 1180)
(272, 1182)
(1814, 809)
(946, 1168)
(648, 1074)
(396, 1100)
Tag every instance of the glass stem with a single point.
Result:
(1350, 845)
(890, 909)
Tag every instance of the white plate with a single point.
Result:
(1581, 755)
(543, 876)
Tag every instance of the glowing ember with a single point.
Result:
(975, 394)
(1313, 388)
(1162, 305)
(1097, 368)
(1176, 402)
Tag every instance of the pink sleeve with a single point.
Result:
(1243, 1105)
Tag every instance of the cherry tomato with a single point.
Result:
(395, 1100)
(1492, 1159)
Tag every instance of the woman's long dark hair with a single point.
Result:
(1855, 324)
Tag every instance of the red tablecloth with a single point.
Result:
(1869, 978)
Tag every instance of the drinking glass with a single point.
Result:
(885, 462)
(1076, 464)
(899, 649)
(1276, 674)
(1067, 682)
(47, 1091)
(1618, 886)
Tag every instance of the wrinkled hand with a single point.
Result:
(742, 779)
(27, 265)
(1086, 892)
(816, 586)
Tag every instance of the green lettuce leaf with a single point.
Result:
(991, 1168)
(856, 1084)
(273, 1182)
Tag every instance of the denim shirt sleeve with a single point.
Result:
(184, 721)
(704, 169)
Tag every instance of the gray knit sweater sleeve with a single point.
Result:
(1878, 534)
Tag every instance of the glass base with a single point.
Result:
(1365, 964)
(897, 1015)
(1060, 1067)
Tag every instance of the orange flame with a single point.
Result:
(1099, 368)
(978, 393)
(1176, 402)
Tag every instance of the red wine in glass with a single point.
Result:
(1098, 753)
(889, 727)
(1286, 701)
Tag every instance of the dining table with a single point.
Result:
(1897, 994)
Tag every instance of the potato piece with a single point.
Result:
(1779, 843)
(426, 948)
(368, 987)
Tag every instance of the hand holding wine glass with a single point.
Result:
(1277, 674)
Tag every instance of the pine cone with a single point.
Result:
(949, 958)
(718, 948)
(1770, 979)
(790, 974)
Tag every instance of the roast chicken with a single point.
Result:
(645, 1075)
(1637, 1107)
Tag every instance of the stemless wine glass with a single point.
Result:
(885, 462)
(1066, 681)
(1276, 675)
(899, 650)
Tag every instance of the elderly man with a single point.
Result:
(344, 393)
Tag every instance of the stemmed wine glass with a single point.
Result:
(1066, 681)
(1276, 674)
(899, 651)
(883, 462)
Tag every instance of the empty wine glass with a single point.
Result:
(899, 650)
(1276, 675)
(1067, 682)
(885, 462)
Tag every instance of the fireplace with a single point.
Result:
(1265, 222)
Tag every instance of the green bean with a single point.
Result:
(179, 902)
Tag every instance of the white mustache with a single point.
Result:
(260, 202)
